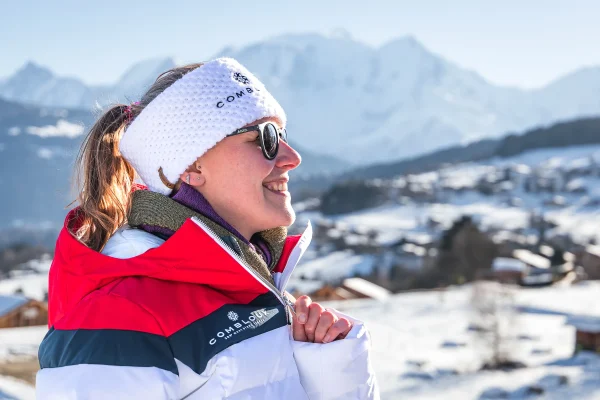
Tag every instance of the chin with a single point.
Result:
(290, 220)
(282, 218)
(290, 216)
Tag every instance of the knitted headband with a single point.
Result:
(190, 117)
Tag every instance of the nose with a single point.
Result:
(287, 158)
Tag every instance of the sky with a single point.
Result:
(512, 42)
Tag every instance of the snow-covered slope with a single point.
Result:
(423, 348)
(356, 102)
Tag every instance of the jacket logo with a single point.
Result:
(255, 319)
(232, 316)
(241, 78)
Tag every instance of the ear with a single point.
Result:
(193, 178)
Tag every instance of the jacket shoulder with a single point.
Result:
(111, 308)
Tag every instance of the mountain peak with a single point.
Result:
(406, 45)
(303, 40)
(33, 70)
(340, 33)
(145, 68)
(584, 76)
(138, 78)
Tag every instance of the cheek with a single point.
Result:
(242, 179)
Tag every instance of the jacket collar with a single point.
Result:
(157, 213)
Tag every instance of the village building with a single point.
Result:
(410, 256)
(18, 311)
(508, 270)
(576, 186)
(531, 259)
(590, 261)
(538, 278)
(538, 272)
(363, 289)
(587, 332)
(351, 288)
(518, 174)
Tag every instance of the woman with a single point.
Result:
(177, 291)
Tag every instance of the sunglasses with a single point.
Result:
(269, 137)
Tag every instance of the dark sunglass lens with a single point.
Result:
(284, 135)
(270, 138)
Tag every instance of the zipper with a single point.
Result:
(287, 303)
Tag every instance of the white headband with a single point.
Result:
(191, 116)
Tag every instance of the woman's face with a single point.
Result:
(236, 178)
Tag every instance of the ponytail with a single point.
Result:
(105, 179)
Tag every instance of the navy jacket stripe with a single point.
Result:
(62, 348)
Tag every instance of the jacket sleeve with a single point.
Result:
(338, 370)
(80, 362)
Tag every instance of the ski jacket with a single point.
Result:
(185, 318)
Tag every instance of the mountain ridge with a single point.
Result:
(357, 102)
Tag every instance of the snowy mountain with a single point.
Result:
(137, 79)
(578, 92)
(400, 100)
(34, 84)
(356, 102)
(580, 132)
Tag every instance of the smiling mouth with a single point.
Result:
(277, 187)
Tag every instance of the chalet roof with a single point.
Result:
(9, 303)
(366, 288)
(546, 250)
(535, 260)
(508, 264)
(585, 323)
(414, 249)
(354, 240)
(522, 169)
(575, 184)
(593, 250)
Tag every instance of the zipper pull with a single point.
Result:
(289, 303)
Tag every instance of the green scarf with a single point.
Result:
(155, 209)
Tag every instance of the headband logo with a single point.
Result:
(237, 95)
(241, 78)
